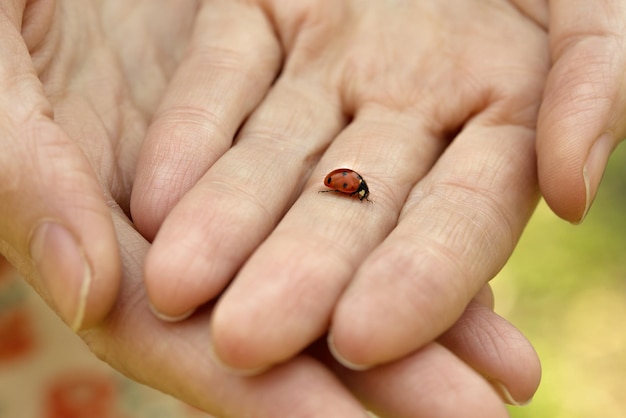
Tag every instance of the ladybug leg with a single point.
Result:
(330, 191)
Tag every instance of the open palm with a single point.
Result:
(84, 83)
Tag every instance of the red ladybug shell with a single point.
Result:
(347, 181)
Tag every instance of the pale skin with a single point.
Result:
(80, 84)
(143, 44)
(434, 103)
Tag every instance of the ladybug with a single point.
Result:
(347, 181)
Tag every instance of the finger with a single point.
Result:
(6, 269)
(485, 297)
(216, 226)
(231, 61)
(536, 10)
(497, 350)
(582, 115)
(457, 228)
(480, 339)
(56, 227)
(442, 385)
(173, 358)
(313, 252)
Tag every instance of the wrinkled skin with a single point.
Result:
(434, 103)
(84, 83)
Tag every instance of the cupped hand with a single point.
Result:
(433, 103)
(480, 353)
(55, 224)
(86, 92)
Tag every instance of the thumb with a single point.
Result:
(583, 115)
(55, 226)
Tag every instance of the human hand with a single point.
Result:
(102, 93)
(56, 226)
(382, 89)
(583, 114)
(449, 374)
(439, 380)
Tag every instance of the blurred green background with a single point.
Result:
(565, 288)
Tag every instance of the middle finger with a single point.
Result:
(282, 297)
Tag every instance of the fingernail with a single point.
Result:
(235, 372)
(341, 359)
(168, 318)
(506, 395)
(594, 169)
(63, 269)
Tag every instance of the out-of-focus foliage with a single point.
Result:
(565, 288)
